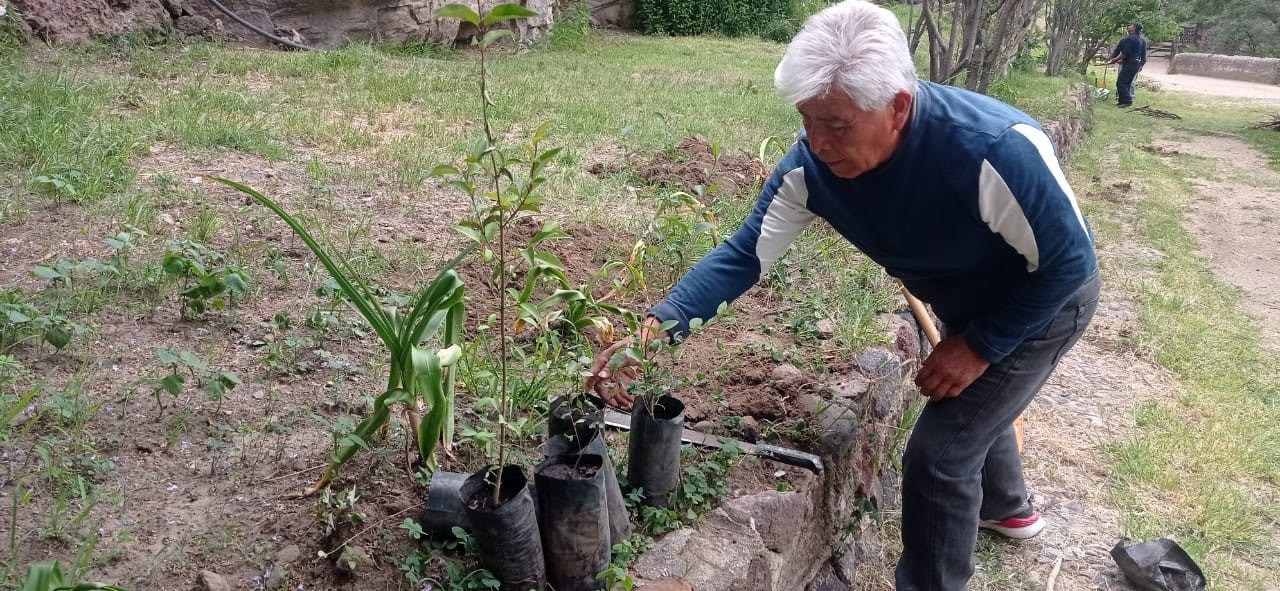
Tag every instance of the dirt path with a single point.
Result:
(1089, 402)
(1157, 70)
(1235, 220)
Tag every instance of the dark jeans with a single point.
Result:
(1124, 84)
(962, 462)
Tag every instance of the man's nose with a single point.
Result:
(819, 143)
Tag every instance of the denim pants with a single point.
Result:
(962, 462)
(1125, 86)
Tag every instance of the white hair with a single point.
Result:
(855, 47)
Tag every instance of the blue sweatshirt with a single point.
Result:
(972, 213)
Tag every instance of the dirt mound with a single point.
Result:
(693, 162)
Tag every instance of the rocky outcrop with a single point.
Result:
(316, 23)
(809, 538)
(80, 21)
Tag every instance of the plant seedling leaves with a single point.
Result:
(46, 272)
(57, 336)
(167, 355)
(174, 264)
(505, 12)
(17, 317)
(236, 284)
(460, 12)
(215, 389)
(229, 379)
(541, 133)
(493, 36)
(444, 169)
(561, 296)
(471, 233)
(191, 360)
(172, 383)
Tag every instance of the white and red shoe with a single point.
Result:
(1018, 528)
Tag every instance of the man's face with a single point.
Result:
(1132, 29)
(850, 140)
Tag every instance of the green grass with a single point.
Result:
(1205, 462)
(51, 130)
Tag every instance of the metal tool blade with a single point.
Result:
(783, 455)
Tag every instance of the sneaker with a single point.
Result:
(1124, 105)
(1018, 528)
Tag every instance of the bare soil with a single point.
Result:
(190, 484)
(693, 162)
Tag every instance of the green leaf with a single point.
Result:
(493, 36)
(470, 233)
(561, 296)
(541, 133)
(530, 313)
(460, 12)
(57, 336)
(174, 264)
(236, 284)
(506, 12)
(214, 389)
(549, 155)
(229, 379)
(191, 360)
(167, 355)
(46, 272)
(444, 169)
(172, 383)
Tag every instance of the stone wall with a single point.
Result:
(317, 23)
(1067, 131)
(1265, 70)
(811, 537)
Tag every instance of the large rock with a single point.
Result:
(317, 23)
(73, 22)
(619, 14)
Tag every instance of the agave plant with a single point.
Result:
(417, 374)
(47, 576)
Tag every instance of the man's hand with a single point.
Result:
(950, 369)
(611, 384)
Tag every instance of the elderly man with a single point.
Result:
(1131, 54)
(962, 198)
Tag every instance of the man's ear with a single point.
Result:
(901, 109)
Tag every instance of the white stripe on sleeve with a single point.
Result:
(1045, 148)
(1002, 213)
(788, 214)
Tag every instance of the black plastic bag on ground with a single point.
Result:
(573, 513)
(619, 520)
(1158, 565)
(653, 464)
(507, 534)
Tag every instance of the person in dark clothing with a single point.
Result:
(962, 198)
(1131, 54)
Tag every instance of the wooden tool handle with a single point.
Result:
(922, 317)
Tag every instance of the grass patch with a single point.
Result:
(52, 128)
(1205, 463)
